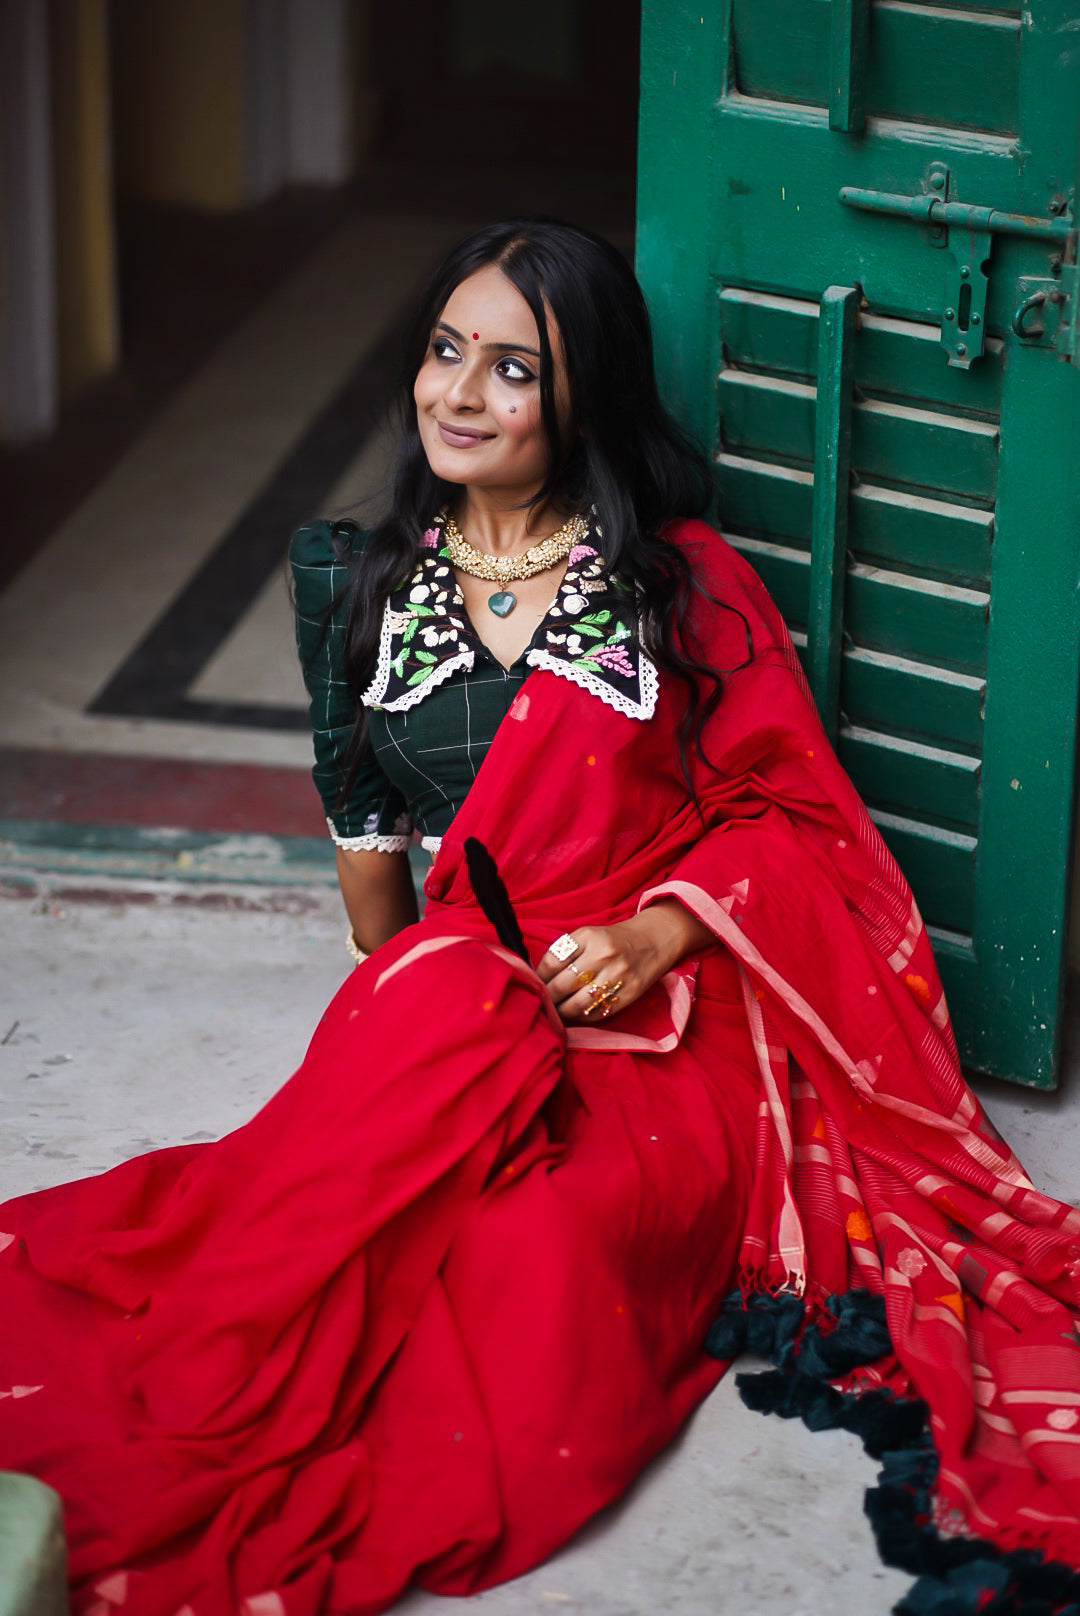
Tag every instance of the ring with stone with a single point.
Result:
(602, 995)
(564, 948)
(584, 977)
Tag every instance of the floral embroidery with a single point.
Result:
(426, 635)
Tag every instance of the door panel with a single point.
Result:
(951, 621)
(930, 64)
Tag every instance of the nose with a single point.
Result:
(464, 392)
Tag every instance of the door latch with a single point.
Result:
(967, 232)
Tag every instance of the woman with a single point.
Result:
(448, 1292)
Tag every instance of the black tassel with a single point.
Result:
(492, 896)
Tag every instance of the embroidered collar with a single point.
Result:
(590, 635)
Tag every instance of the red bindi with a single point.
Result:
(476, 336)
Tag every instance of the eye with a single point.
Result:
(514, 370)
(443, 348)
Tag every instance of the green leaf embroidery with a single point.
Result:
(423, 656)
(419, 676)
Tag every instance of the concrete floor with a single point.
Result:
(141, 1014)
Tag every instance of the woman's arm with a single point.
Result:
(380, 899)
(635, 953)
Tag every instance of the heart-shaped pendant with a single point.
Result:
(502, 602)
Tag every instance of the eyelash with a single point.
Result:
(442, 348)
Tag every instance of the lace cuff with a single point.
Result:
(372, 843)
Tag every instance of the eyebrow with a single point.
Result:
(500, 347)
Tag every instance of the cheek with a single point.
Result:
(521, 423)
(423, 391)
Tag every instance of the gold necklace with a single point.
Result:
(511, 569)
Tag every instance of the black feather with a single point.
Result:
(492, 896)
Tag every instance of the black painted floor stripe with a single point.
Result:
(155, 679)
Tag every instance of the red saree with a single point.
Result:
(447, 1293)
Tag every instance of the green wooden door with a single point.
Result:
(856, 232)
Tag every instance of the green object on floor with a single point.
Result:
(33, 1554)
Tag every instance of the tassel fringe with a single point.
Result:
(955, 1576)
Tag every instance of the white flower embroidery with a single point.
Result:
(433, 636)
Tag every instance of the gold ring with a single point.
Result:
(609, 1005)
(602, 996)
(584, 977)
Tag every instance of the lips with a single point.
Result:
(462, 437)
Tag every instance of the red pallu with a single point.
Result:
(446, 1294)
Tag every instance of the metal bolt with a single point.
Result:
(964, 272)
(1056, 204)
(937, 181)
(976, 319)
(961, 349)
(950, 314)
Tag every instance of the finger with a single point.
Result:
(603, 998)
(571, 980)
(558, 954)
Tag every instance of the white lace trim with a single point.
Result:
(369, 844)
(372, 694)
(431, 844)
(410, 698)
(595, 686)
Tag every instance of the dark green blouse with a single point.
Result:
(438, 695)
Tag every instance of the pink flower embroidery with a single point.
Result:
(1062, 1419)
(911, 1262)
(615, 658)
(430, 541)
(580, 552)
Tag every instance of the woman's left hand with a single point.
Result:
(614, 965)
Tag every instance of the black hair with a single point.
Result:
(624, 455)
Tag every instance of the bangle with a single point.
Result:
(356, 953)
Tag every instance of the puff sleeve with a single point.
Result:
(375, 816)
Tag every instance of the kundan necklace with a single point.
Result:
(511, 569)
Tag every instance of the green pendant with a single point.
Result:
(502, 602)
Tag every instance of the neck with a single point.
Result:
(503, 528)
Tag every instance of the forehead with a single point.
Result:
(491, 306)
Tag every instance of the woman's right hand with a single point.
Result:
(614, 965)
